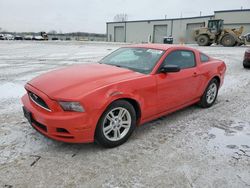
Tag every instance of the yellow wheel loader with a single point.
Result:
(215, 33)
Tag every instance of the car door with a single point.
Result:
(177, 89)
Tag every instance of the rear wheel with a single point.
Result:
(228, 41)
(209, 96)
(116, 124)
(203, 40)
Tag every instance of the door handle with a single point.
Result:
(195, 74)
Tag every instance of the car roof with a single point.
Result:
(164, 47)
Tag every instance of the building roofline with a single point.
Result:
(153, 20)
(235, 10)
(196, 17)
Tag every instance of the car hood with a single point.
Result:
(76, 81)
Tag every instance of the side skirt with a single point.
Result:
(169, 111)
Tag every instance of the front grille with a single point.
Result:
(38, 101)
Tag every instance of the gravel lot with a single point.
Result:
(193, 147)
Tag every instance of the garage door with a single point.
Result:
(160, 31)
(191, 27)
(119, 34)
(237, 26)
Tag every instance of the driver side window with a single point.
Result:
(182, 58)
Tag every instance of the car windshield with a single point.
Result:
(140, 60)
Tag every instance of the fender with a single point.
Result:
(118, 95)
(214, 76)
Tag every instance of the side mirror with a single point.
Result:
(170, 68)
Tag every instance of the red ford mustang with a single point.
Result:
(105, 101)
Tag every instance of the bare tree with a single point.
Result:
(121, 17)
(52, 32)
(3, 30)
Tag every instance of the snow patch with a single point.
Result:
(11, 90)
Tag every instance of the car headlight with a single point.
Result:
(72, 106)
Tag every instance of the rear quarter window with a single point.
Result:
(204, 58)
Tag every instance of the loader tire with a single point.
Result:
(228, 40)
(203, 40)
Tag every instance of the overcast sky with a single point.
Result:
(92, 15)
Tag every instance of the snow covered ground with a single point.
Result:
(190, 148)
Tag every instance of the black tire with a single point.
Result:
(246, 66)
(203, 40)
(204, 101)
(228, 40)
(103, 139)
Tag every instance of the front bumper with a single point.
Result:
(63, 126)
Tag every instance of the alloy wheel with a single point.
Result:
(116, 124)
(211, 93)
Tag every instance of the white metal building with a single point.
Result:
(143, 31)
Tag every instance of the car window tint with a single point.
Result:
(125, 56)
(204, 58)
(182, 58)
(138, 59)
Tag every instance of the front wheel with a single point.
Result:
(228, 41)
(209, 96)
(116, 124)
